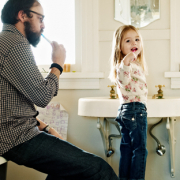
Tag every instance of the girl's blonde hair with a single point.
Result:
(117, 55)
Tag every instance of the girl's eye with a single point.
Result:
(128, 41)
(137, 39)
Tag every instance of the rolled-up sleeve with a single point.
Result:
(20, 69)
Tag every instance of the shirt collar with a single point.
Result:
(12, 28)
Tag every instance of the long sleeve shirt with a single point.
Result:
(21, 86)
(131, 83)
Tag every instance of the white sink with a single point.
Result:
(156, 109)
(167, 107)
(106, 107)
(98, 107)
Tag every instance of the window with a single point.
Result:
(59, 26)
(2, 2)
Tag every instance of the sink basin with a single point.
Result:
(106, 107)
(167, 107)
(98, 107)
(156, 109)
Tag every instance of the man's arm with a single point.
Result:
(21, 71)
(51, 130)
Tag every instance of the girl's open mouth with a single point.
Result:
(134, 49)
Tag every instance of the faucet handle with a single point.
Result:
(160, 92)
(112, 86)
(160, 86)
(112, 92)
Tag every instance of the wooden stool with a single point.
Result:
(3, 168)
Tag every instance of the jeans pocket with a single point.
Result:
(129, 120)
(142, 117)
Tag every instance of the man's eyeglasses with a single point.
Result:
(41, 19)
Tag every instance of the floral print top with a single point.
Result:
(131, 83)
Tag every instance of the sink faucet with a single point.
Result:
(160, 93)
(112, 92)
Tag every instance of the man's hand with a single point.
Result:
(52, 131)
(129, 58)
(58, 53)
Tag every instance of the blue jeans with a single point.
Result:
(60, 159)
(132, 118)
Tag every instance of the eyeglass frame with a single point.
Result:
(34, 13)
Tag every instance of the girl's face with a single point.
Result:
(131, 42)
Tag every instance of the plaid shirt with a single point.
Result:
(21, 86)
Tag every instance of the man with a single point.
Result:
(22, 136)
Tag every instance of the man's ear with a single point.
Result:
(21, 16)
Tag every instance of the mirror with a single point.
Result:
(138, 13)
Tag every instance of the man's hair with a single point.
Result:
(12, 7)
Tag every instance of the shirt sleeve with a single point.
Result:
(20, 69)
(123, 74)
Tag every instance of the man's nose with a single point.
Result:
(42, 25)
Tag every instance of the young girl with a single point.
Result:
(128, 69)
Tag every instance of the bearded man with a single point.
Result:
(24, 139)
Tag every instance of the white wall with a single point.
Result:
(82, 130)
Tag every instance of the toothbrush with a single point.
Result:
(46, 39)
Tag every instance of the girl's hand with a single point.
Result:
(129, 58)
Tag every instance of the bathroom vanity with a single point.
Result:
(106, 108)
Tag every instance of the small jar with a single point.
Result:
(66, 68)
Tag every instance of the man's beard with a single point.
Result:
(32, 37)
